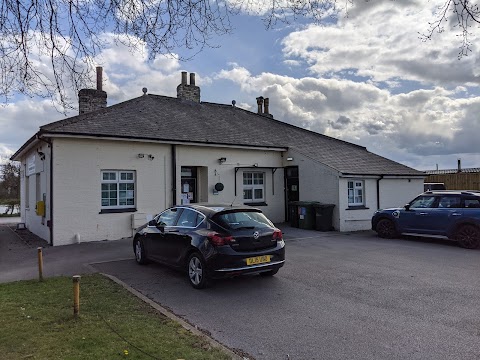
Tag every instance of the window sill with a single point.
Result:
(359, 207)
(115, 211)
(256, 203)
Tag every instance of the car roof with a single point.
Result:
(211, 209)
(453, 192)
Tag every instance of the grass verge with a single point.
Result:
(37, 322)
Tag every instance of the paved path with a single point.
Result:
(339, 296)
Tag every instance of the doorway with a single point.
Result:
(291, 188)
(188, 182)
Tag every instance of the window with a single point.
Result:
(118, 189)
(449, 202)
(189, 218)
(472, 203)
(167, 218)
(253, 186)
(423, 202)
(355, 193)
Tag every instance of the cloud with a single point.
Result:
(405, 127)
(379, 40)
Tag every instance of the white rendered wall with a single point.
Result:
(77, 186)
(398, 192)
(394, 192)
(225, 173)
(35, 223)
(77, 180)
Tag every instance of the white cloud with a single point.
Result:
(380, 40)
(404, 127)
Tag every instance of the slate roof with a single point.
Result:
(164, 118)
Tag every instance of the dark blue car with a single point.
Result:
(453, 214)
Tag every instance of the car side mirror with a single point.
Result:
(152, 223)
(407, 207)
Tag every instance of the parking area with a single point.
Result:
(339, 296)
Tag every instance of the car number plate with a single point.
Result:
(258, 260)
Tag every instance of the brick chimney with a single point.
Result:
(92, 99)
(188, 92)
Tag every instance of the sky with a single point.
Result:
(366, 78)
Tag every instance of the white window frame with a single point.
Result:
(254, 185)
(356, 192)
(118, 180)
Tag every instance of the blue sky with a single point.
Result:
(366, 78)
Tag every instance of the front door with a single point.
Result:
(188, 182)
(291, 187)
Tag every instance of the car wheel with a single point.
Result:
(386, 229)
(197, 271)
(139, 251)
(269, 273)
(468, 236)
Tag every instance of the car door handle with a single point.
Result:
(173, 231)
(422, 213)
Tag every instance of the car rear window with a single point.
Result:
(242, 219)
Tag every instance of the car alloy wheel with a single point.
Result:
(386, 229)
(197, 272)
(139, 252)
(468, 236)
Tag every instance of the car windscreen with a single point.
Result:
(242, 220)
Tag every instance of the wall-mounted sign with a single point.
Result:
(31, 165)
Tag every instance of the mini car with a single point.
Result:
(211, 241)
(452, 214)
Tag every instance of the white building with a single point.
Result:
(98, 175)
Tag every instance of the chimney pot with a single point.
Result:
(184, 78)
(192, 79)
(459, 163)
(260, 104)
(99, 78)
(266, 102)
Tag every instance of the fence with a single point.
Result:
(458, 181)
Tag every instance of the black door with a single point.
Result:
(157, 242)
(291, 187)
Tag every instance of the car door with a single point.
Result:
(182, 235)
(417, 215)
(444, 215)
(157, 243)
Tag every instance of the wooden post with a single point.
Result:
(40, 264)
(76, 294)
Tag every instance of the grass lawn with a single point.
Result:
(37, 322)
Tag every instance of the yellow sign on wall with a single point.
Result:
(40, 208)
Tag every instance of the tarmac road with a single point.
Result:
(339, 296)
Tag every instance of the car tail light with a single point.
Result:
(219, 240)
(277, 235)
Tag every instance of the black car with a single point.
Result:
(212, 241)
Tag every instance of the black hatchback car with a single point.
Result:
(212, 241)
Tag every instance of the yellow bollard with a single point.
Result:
(40, 264)
(76, 294)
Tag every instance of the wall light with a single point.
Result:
(289, 158)
(222, 160)
(41, 154)
(141, 156)
(151, 157)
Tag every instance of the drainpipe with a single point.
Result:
(378, 191)
(174, 175)
(50, 225)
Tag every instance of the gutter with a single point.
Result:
(378, 191)
(174, 175)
